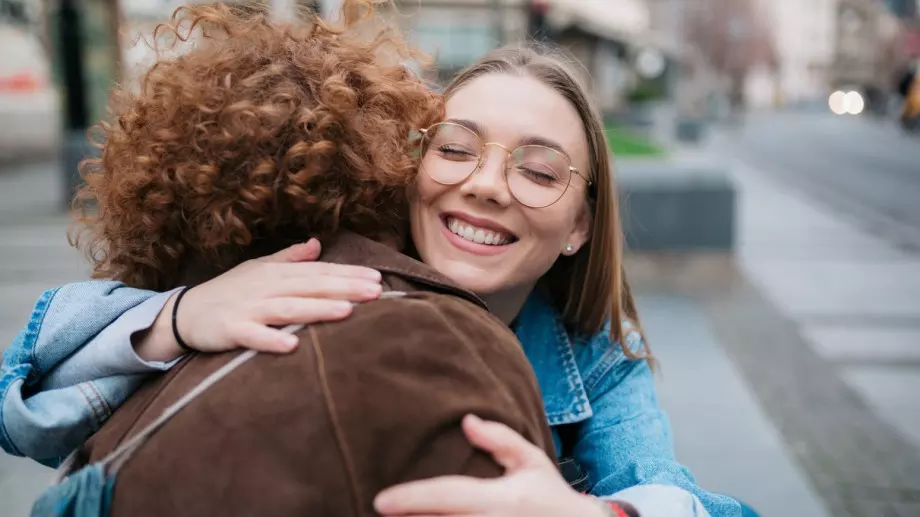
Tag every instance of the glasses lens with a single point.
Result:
(538, 176)
(450, 153)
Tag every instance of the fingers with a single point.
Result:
(256, 334)
(311, 269)
(264, 339)
(285, 311)
(448, 495)
(507, 447)
(331, 287)
(298, 261)
(309, 250)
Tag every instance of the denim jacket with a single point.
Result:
(56, 390)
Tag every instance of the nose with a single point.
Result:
(488, 182)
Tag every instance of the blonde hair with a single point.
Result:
(589, 288)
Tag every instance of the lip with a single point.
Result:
(472, 247)
(478, 221)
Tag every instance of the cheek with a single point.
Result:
(552, 225)
(425, 191)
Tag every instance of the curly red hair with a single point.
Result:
(261, 132)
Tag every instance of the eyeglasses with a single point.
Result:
(536, 175)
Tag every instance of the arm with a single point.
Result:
(627, 447)
(44, 421)
(75, 362)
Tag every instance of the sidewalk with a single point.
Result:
(34, 256)
(838, 369)
(721, 433)
(802, 355)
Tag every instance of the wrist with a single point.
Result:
(157, 343)
(177, 337)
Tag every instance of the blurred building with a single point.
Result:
(605, 36)
(139, 18)
(804, 35)
(610, 39)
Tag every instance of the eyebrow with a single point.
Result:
(545, 142)
(469, 124)
(529, 140)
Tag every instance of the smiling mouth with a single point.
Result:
(475, 234)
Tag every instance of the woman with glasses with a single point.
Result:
(515, 201)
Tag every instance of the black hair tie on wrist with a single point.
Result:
(175, 327)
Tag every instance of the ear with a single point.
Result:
(580, 233)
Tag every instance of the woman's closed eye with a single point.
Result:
(537, 175)
(455, 152)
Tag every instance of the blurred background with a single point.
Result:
(768, 156)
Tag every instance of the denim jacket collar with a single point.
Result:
(542, 333)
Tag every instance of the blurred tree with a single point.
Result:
(734, 36)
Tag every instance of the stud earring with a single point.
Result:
(569, 248)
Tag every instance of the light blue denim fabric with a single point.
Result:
(47, 424)
(87, 493)
(600, 404)
(603, 410)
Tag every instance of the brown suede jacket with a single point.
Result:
(361, 405)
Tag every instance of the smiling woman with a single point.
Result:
(481, 173)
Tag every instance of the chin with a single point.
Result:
(477, 280)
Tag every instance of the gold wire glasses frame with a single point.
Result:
(424, 135)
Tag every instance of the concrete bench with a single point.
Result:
(670, 205)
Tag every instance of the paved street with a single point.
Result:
(865, 169)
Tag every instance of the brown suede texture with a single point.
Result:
(361, 405)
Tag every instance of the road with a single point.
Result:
(863, 168)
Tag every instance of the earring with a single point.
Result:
(569, 248)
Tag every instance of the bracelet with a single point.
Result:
(616, 508)
(175, 328)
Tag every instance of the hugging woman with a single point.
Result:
(507, 194)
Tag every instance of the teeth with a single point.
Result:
(478, 235)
